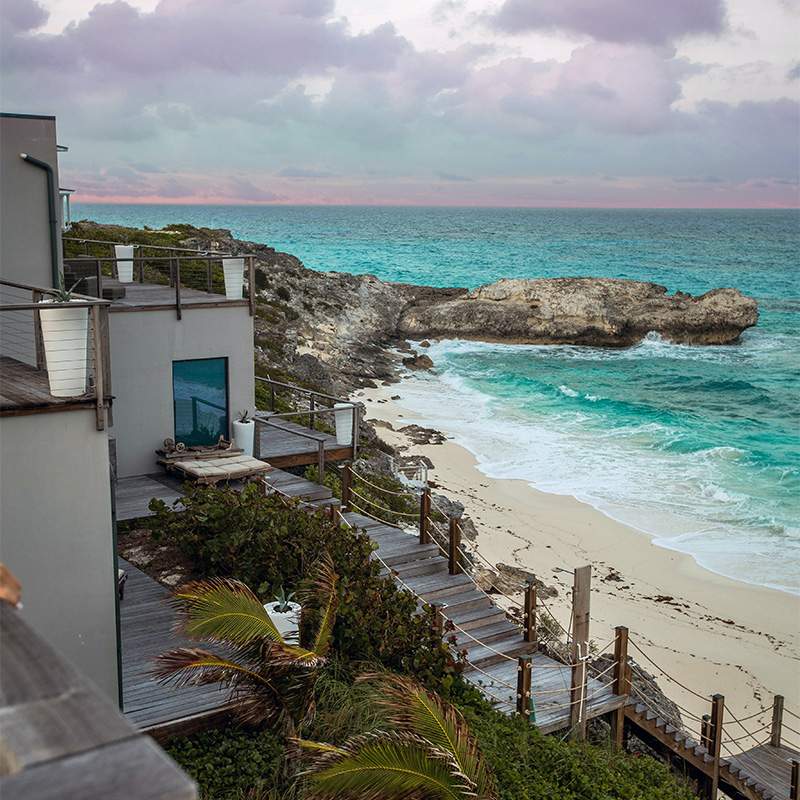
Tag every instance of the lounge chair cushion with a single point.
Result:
(211, 470)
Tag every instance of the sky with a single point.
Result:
(560, 103)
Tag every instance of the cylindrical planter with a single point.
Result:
(287, 622)
(64, 334)
(243, 433)
(343, 418)
(124, 254)
(234, 277)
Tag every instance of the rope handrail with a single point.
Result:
(382, 508)
(739, 722)
(490, 677)
(790, 713)
(786, 727)
(381, 488)
(660, 711)
(604, 672)
(606, 647)
(665, 673)
(438, 507)
(748, 735)
(546, 609)
(373, 517)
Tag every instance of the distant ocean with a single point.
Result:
(698, 447)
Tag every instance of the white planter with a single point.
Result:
(234, 277)
(64, 333)
(124, 254)
(287, 622)
(343, 418)
(243, 433)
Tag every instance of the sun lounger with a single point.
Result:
(225, 468)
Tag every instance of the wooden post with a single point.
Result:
(312, 417)
(178, 286)
(251, 279)
(97, 364)
(711, 783)
(321, 462)
(529, 611)
(356, 429)
(454, 552)
(425, 516)
(795, 780)
(777, 721)
(580, 651)
(524, 687)
(620, 686)
(438, 618)
(257, 437)
(346, 488)
(705, 731)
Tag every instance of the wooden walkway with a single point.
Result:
(287, 444)
(759, 774)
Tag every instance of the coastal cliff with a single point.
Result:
(337, 331)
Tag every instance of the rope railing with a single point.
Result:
(382, 508)
(748, 735)
(372, 516)
(666, 674)
(791, 713)
(358, 475)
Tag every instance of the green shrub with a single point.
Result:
(269, 542)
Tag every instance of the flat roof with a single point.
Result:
(26, 116)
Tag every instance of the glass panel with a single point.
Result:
(200, 396)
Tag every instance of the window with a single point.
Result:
(200, 400)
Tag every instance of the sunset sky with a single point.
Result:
(629, 103)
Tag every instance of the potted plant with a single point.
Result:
(233, 269)
(244, 431)
(64, 335)
(124, 255)
(285, 615)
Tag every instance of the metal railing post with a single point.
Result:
(251, 280)
(454, 551)
(178, 287)
(425, 516)
(97, 365)
(312, 417)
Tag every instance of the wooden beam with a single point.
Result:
(581, 588)
(621, 685)
(777, 721)
(425, 516)
(529, 611)
(454, 550)
(524, 670)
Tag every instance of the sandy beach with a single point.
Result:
(710, 633)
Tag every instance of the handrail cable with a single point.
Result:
(662, 712)
(734, 718)
(382, 508)
(665, 673)
(373, 517)
(791, 713)
(786, 727)
(748, 735)
(490, 677)
(749, 717)
(358, 475)
(604, 672)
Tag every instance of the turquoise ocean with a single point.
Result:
(697, 447)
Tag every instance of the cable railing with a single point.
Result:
(185, 277)
(54, 352)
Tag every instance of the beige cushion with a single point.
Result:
(211, 470)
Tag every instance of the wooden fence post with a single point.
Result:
(425, 516)
(454, 554)
(777, 721)
(620, 686)
(580, 651)
(529, 611)
(705, 732)
(438, 617)
(346, 488)
(711, 783)
(524, 687)
(794, 787)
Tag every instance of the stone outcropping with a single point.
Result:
(582, 311)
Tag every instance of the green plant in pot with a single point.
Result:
(244, 431)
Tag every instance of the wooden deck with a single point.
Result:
(151, 296)
(25, 389)
(286, 444)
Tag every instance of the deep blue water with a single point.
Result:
(696, 446)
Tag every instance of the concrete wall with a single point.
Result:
(56, 535)
(143, 346)
(24, 214)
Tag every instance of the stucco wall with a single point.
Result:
(24, 214)
(143, 346)
(56, 535)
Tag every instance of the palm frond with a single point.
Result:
(319, 602)
(225, 610)
(427, 715)
(385, 766)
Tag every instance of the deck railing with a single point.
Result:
(54, 379)
(90, 262)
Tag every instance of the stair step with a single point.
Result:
(439, 586)
(427, 566)
(480, 656)
(393, 555)
(469, 618)
(470, 600)
(488, 633)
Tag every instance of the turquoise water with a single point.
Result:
(696, 446)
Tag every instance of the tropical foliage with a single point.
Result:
(430, 754)
(271, 681)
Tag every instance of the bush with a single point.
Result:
(271, 542)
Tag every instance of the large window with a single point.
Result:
(200, 398)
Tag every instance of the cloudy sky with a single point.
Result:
(629, 103)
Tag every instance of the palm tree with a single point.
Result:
(431, 756)
(271, 681)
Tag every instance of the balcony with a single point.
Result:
(53, 365)
(155, 277)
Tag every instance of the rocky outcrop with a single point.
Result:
(582, 311)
